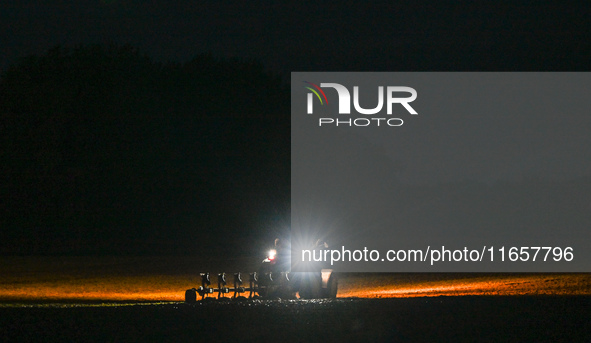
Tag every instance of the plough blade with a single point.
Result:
(265, 285)
(238, 290)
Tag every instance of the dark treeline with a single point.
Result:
(105, 151)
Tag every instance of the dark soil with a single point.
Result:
(442, 319)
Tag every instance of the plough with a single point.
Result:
(273, 280)
(256, 288)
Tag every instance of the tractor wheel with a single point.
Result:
(310, 287)
(191, 295)
(332, 287)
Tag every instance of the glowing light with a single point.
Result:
(272, 254)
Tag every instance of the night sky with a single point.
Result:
(316, 35)
(202, 177)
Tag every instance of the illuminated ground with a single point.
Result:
(81, 300)
(149, 279)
